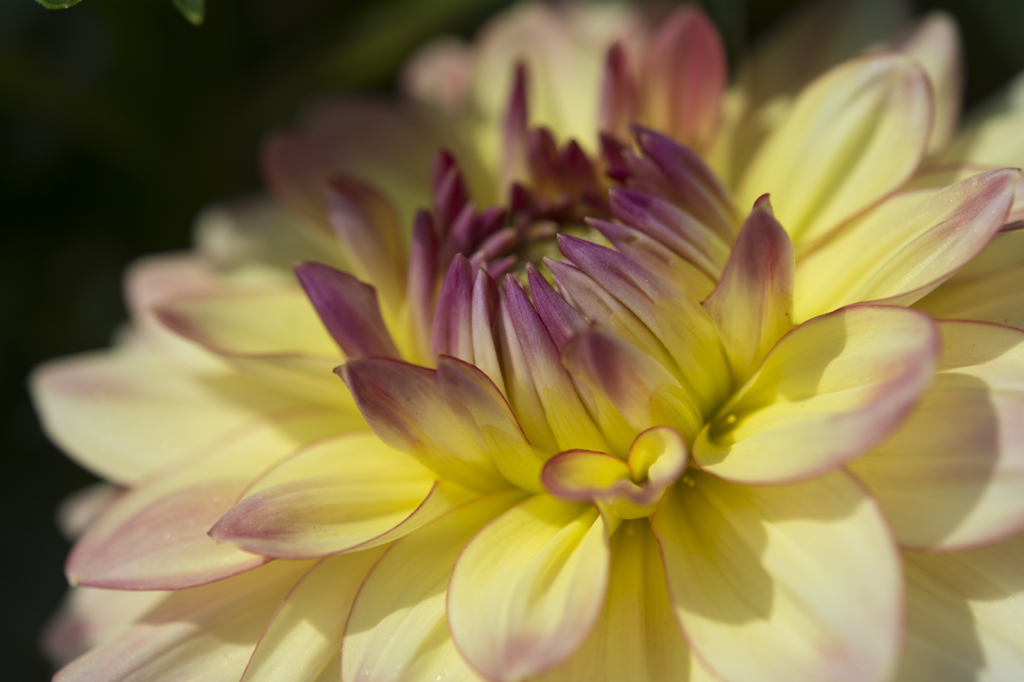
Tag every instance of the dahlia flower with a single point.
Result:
(592, 367)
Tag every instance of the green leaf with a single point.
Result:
(58, 4)
(193, 10)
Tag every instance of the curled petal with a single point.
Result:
(453, 330)
(778, 583)
(348, 308)
(629, 489)
(752, 306)
(397, 629)
(905, 247)
(618, 94)
(528, 588)
(953, 475)
(854, 135)
(830, 390)
(341, 494)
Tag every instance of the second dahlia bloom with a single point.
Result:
(669, 381)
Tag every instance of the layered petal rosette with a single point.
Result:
(588, 366)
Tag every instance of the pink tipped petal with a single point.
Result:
(619, 97)
(420, 285)
(907, 246)
(348, 308)
(203, 633)
(485, 310)
(631, 489)
(684, 78)
(276, 337)
(529, 587)
(483, 411)
(154, 537)
(830, 390)
(690, 183)
(682, 326)
(453, 320)
(561, 320)
(964, 611)
(397, 629)
(990, 288)
(853, 136)
(687, 280)
(673, 227)
(953, 475)
(514, 162)
(626, 376)
(406, 408)
(752, 306)
(782, 583)
(125, 414)
(935, 45)
(450, 200)
(368, 227)
(303, 637)
(340, 494)
(570, 423)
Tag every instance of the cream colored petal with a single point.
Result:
(990, 288)
(953, 474)
(964, 612)
(439, 74)
(125, 414)
(935, 45)
(206, 633)
(345, 493)
(637, 638)
(795, 582)
(304, 636)
(905, 247)
(155, 536)
(88, 617)
(854, 135)
(79, 509)
(529, 587)
(397, 630)
(273, 336)
(830, 390)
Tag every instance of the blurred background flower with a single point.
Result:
(119, 121)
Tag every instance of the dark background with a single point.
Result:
(119, 121)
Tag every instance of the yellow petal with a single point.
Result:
(125, 414)
(275, 337)
(637, 638)
(752, 306)
(346, 493)
(953, 474)
(529, 587)
(990, 288)
(964, 612)
(830, 390)
(304, 636)
(397, 630)
(205, 633)
(905, 247)
(795, 582)
(155, 536)
(935, 45)
(854, 135)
